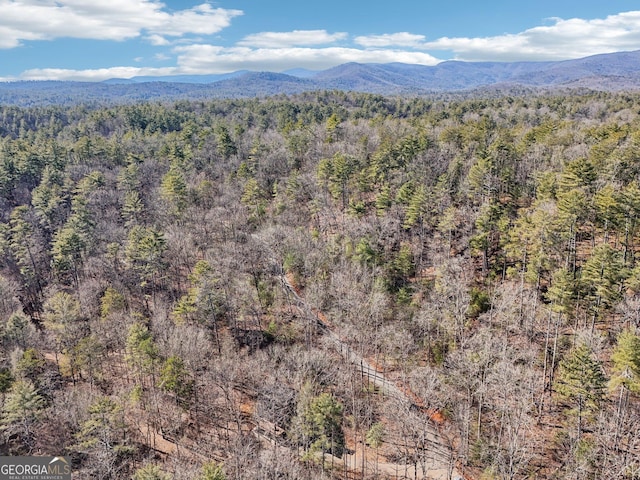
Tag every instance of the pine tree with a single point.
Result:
(625, 375)
(582, 383)
(601, 279)
(211, 471)
(626, 362)
(323, 420)
(151, 472)
(22, 409)
(174, 378)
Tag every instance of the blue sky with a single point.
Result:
(97, 39)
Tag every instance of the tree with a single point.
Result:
(22, 409)
(150, 472)
(601, 278)
(582, 383)
(226, 147)
(63, 316)
(416, 209)
(253, 197)
(333, 128)
(205, 301)
(336, 173)
(174, 378)
(629, 204)
(374, 438)
(626, 362)
(608, 211)
(103, 435)
(29, 256)
(625, 375)
(18, 330)
(174, 188)
(30, 366)
(50, 198)
(141, 350)
(211, 471)
(68, 247)
(321, 419)
(145, 253)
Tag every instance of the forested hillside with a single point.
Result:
(327, 285)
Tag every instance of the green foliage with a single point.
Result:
(150, 472)
(6, 380)
(23, 407)
(68, 247)
(333, 128)
(375, 435)
(293, 264)
(211, 471)
(63, 316)
(141, 351)
(144, 252)
(225, 146)
(577, 174)
(50, 197)
(105, 429)
(205, 300)
(416, 208)
(132, 207)
(406, 192)
(85, 357)
(399, 270)
(336, 173)
(365, 253)
(626, 362)
(30, 365)
(601, 277)
(479, 302)
(111, 302)
(321, 418)
(561, 292)
(480, 178)
(173, 188)
(254, 197)
(383, 200)
(175, 378)
(581, 381)
(18, 330)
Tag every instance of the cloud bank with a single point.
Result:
(117, 20)
(562, 40)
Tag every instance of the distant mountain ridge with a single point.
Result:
(610, 72)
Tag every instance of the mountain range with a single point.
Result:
(609, 72)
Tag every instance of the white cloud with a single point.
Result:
(157, 40)
(113, 20)
(400, 39)
(91, 75)
(207, 59)
(564, 39)
(215, 59)
(290, 39)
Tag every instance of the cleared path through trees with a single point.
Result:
(443, 457)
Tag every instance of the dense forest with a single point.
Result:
(326, 285)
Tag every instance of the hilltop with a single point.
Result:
(607, 72)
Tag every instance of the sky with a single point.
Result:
(95, 40)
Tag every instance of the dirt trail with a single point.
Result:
(442, 455)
